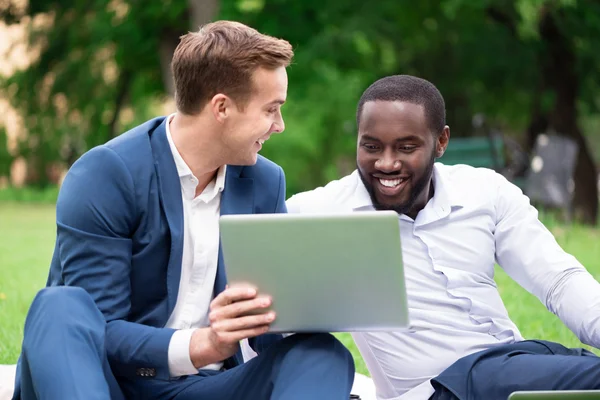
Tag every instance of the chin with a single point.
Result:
(399, 204)
(393, 207)
(249, 160)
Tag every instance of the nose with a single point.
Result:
(278, 125)
(388, 163)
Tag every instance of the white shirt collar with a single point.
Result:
(361, 198)
(442, 202)
(184, 170)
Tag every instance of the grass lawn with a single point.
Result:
(27, 238)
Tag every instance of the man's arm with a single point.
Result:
(528, 252)
(96, 215)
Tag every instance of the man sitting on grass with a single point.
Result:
(138, 299)
(456, 222)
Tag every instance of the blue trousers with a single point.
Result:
(64, 356)
(495, 373)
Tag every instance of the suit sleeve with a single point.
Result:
(96, 215)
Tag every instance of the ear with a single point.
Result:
(220, 106)
(441, 142)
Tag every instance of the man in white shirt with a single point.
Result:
(455, 223)
(137, 298)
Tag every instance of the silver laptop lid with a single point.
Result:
(328, 273)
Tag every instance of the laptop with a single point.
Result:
(555, 395)
(325, 273)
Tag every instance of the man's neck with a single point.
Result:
(195, 138)
(420, 205)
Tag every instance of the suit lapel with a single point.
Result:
(170, 195)
(237, 198)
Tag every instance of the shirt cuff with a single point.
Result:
(180, 362)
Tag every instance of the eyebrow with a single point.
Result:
(368, 137)
(404, 139)
(278, 101)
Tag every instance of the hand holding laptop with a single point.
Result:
(237, 313)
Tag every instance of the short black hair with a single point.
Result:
(408, 89)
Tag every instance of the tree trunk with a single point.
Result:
(538, 122)
(558, 64)
(200, 12)
(122, 91)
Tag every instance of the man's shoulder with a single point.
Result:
(129, 149)
(472, 184)
(465, 172)
(466, 175)
(135, 141)
(265, 166)
(336, 195)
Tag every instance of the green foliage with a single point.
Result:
(99, 57)
(320, 139)
(95, 58)
(485, 56)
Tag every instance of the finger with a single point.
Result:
(244, 323)
(236, 336)
(231, 295)
(239, 308)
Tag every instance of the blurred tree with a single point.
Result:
(5, 157)
(528, 65)
(565, 75)
(96, 57)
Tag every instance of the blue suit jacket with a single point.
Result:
(120, 226)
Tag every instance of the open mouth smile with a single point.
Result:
(391, 187)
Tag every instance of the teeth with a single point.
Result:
(261, 141)
(391, 182)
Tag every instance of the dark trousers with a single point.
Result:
(64, 357)
(528, 365)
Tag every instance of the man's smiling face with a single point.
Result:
(396, 151)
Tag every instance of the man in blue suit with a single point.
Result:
(137, 304)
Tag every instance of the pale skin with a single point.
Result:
(224, 133)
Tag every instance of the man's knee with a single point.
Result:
(60, 303)
(61, 295)
(326, 347)
(328, 341)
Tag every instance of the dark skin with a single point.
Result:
(395, 154)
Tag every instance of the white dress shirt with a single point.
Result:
(198, 264)
(475, 219)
